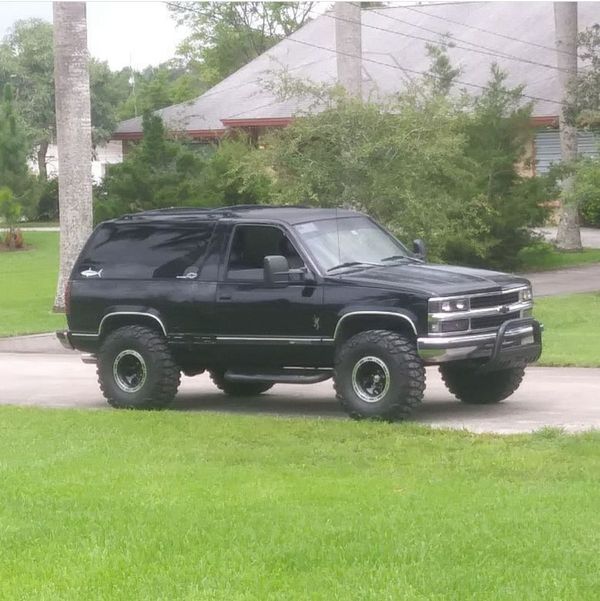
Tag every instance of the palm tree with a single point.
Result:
(565, 18)
(74, 135)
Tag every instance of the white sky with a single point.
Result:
(118, 32)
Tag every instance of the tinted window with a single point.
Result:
(146, 251)
(251, 244)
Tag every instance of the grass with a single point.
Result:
(544, 257)
(572, 329)
(119, 505)
(27, 286)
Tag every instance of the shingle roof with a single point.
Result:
(243, 95)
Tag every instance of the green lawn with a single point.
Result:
(572, 329)
(123, 505)
(27, 286)
(546, 258)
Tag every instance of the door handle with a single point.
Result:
(225, 297)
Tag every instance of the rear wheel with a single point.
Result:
(238, 388)
(476, 387)
(378, 374)
(136, 369)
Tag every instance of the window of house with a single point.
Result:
(251, 244)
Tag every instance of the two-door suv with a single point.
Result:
(264, 295)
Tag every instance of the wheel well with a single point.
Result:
(359, 323)
(112, 322)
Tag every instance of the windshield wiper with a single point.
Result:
(398, 258)
(352, 264)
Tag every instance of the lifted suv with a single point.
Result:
(264, 295)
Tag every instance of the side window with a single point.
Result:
(251, 244)
(141, 252)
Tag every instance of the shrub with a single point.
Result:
(587, 190)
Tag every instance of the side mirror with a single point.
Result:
(419, 249)
(277, 270)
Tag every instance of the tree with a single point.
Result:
(565, 17)
(584, 109)
(498, 130)
(74, 135)
(227, 35)
(158, 172)
(14, 173)
(425, 164)
(154, 88)
(163, 172)
(27, 64)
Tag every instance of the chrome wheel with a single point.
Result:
(370, 379)
(129, 371)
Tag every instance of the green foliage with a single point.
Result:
(587, 190)
(156, 173)
(47, 203)
(10, 209)
(497, 126)
(227, 35)
(164, 172)
(441, 74)
(424, 164)
(403, 163)
(13, 146)
(157, 87)
(27, 64)
(584, 110)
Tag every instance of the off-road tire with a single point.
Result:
(162, 378)
(238, 388)
(407, 375)
(476, 387)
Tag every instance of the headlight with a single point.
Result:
(525, 295)
(449, 306)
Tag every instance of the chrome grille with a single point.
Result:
(492, 321)
(493, 300)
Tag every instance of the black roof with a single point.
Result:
(285, 214)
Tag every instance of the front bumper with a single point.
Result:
(517, 341)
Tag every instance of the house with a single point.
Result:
(518, 36)
(103, 156)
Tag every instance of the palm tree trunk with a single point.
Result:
(73, 136)
(565, 18)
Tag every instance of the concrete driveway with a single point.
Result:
(566, 281)
(566, 398)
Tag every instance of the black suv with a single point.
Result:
(264, 295)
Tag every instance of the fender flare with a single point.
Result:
(405, 316)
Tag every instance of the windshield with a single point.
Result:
(350, 241)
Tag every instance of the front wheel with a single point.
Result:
(378, 374)
(481, 388)
(136, 369)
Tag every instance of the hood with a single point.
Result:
(433, 280)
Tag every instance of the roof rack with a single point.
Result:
(210, 212)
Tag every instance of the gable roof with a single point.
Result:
(518, 36)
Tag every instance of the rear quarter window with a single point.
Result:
(147, 251)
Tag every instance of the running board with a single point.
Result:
(281, 377)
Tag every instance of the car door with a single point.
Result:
(267, 323)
